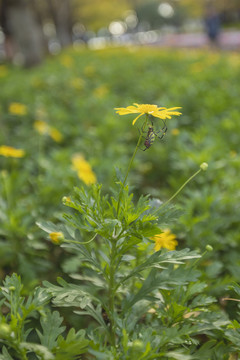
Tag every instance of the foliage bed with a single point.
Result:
(178, 312)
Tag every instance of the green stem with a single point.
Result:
(131, 161)
(111, 295)
(79, 242)
(5, 187)
(179, 190)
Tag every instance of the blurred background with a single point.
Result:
(30, 29)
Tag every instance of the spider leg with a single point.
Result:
(143, 149)
(162, 131)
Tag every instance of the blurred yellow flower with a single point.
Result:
(44, 129)
(56, 237)
(9, 151)
(175, 132)
(101, 91)
(162, 112)
(55, 135)
(77, 83)
(89, 70)
(83, 169)
(165, 240)
(17, 109)
(3, 71)
(41, 126)
(66, 61)
(233, 153)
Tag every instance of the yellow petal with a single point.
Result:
(136, 118)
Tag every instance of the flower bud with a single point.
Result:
(209, 248)
(204, 166)
(137, 346)
(56, 237)
(5, 331)
(66, 200)
(12, 288)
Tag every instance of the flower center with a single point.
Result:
(147, 109)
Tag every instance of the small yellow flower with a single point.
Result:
(56, 237)
(41, 126)
(67, 61)
(175, 132)
(17, 109)
(89, 71)
(159, 112)
(101, 91)
(55, 135)
(9, 151)
(165, 240)
(83, 169)
(3, 71)
(44, 129)
(233, 153)
(77, 83)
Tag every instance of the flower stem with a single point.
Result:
(180, 189)
(111, 295)
(78, 242)
(131, 161)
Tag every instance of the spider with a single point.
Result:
(152, 134)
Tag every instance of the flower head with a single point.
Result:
(41, 127)
(44, 129)
(204, 166)
(165, 240)
(3, 71)
(159, 112)
(9, 151)
(55, 134)
(83, 169)
(17, 109)
(56, 237)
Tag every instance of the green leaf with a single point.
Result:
(71, 347)
(51, 329)
(95, 313)
(178, 355)
(40, 350)
(160, 259)
(47, 226)
(5, 354)
(69, 294)
(86, 255)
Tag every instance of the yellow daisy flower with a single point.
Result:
(9, 151)
(175, 132)
(165, 240)
(55, 135)
(3, 71)
(154, 110)
(44, 129)
(83, 169)
(41, 126)
(17, 109)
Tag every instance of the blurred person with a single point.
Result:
(212, 24)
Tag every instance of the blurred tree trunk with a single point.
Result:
(40, 19)
(24, 31)
(61, 14)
